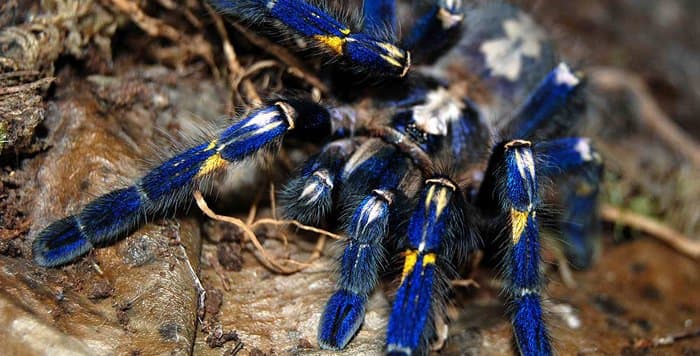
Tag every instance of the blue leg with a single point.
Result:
(359, 271)
(364, 253)
(434, 223)
(577, 168)
(436, 31)
(380, 18)
(524, 278)
(545, 111)
(116, 213)
(364, 51)
(308, 198)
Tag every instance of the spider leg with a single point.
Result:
(575, 163)
(436, 31)
(510, 193)
(308, 198)
(435, 221)
(380, 18)
(366, 230)
(362, 50)
(116, 213)
(549, 108)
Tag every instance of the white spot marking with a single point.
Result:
(522, 39)
(583, 147)
(263, 118)
(440, 108)
(563, 75)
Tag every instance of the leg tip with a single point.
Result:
(341, 320)
(60, 243)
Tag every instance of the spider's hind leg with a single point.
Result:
(577, 168)
(165, 187)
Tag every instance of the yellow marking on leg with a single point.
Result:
(212, 144)
(429, 197)
(518, 220)
(211, 164)
(442, 201)
(411, 256)
(429, 259)
(335, 43)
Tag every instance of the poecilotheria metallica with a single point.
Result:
(469, 118)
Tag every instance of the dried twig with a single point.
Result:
(296, 67)
(466, 283)
(652, 227)
(248, 232)
(297, 224)
(649, 111)
(236, 76)
(666, 340)
(27, 86)
(157, 28)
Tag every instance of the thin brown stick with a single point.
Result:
(649, 111)
(466, 283)
(157, 28)
(652, 227)
(273, 201)
(27, 86)
(296, 67)
(152, 26)
(298, 225)
(248, 232)
(19, 73)
(667, 340)
(254, 68)
(235, 69)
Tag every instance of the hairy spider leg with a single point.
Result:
(380, 166)
(436, 31)
(547, 107)
(434, 221)
(116, 213)
(380, 18)
(364, 51)
(571, 162)
(308, 198)
(575, 162)
(520, 200)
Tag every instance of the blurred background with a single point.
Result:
(88, 88)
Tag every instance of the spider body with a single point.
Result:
(435, 166)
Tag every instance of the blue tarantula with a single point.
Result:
(439, 147)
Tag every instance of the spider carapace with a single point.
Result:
(469, 118)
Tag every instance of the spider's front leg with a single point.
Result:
(116, 213)
(364, 51)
